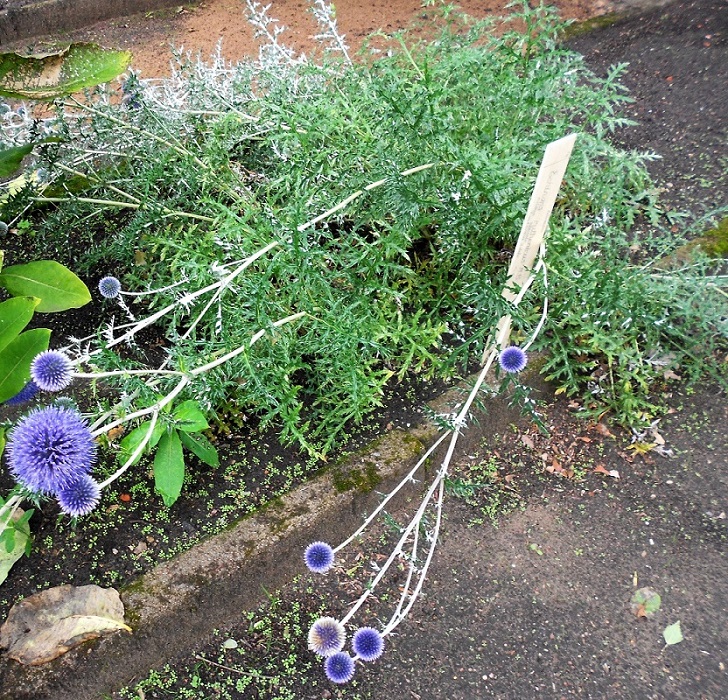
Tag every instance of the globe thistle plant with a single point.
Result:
(109, 287)
(79, 497)
(51, 370)
(50, 449)
(326, 636)
(512, 359)
(27, 393)
(319, 557)
(339, 667)
(368, 643)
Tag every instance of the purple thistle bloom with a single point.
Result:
(512, 359)
(24, 395)
(319, 557)
(110, 287)
(326, 636)
(51, 370)
(339, 667)
(50, 448)
(368, 643)
(79, 497)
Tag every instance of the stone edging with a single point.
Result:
(177, 605)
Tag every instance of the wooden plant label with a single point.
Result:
(550, 174)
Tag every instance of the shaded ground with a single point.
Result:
(539, 606)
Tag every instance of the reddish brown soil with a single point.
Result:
(199, 27)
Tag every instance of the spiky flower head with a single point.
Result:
(368, 643)
(24, 395)
(50, 448)
(51, 370)
(79, 497)
(110, 287)
(326, 636)
(339, 667)
(3, 228)
(512, 359)
(319, 557)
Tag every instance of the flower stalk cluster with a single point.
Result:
(368, 642)
(52, 450)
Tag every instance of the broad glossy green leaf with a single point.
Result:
(169, 467)
(54, 284)
(15, 360)
(189, 417)
(202, 448)
(130, 443)
(14, 316)
(14, 544)
(51, 75)
(11, 158)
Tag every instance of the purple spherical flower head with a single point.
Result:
(512, 359)
(24, 395)
(368, 643)
(110, 287)
(51, 370)
(50, 448)
(326, 636)
(79, 497)
(319, 557)
(339, 667)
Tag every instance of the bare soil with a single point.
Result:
(536, 607)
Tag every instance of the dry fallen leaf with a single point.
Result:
(45, 625)
(603, 430)
(600, 469)
(645, 602)
(527, 441)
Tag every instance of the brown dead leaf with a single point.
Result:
(600, 469)
(527, 441)
(603, 430)
(45, 625)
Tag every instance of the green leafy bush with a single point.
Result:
(424, 159)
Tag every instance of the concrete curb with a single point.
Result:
(177, 605)
(43, 17)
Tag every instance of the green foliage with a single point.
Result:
(177, 430)
(16, 357)
(11, 158)
(44, 286)
(434, 149)
(51, 75)
(54, 286)
(14, 540)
